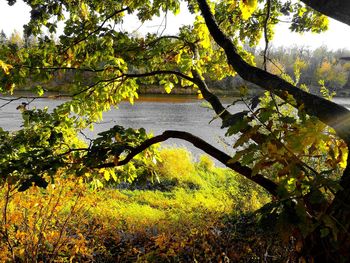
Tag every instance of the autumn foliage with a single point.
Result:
(191, 217)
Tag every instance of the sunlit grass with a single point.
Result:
(71, 221)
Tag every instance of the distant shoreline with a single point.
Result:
(176, 91)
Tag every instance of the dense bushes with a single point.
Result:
(198, 218)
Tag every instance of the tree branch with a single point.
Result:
(136, 75)
(337, 9)
(62, 68)
(99, 28)
(332, 114)
(157, 72)
(89, 87)
(210, 97)
(214, 101)
(269, 185)
(268, 13)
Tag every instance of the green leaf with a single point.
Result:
(39, 90)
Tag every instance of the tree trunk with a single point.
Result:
(334, 247)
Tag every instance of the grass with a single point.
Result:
(190, 214)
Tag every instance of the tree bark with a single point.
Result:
(334, 247)
(332, 114)
(337, 9)
(222, 157)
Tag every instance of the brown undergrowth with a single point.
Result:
(193, 212)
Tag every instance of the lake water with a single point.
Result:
(154, 113)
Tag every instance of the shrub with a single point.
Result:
(43, 224)
(206, 163)
(69, 221)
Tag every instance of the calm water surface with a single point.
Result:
(154, 113)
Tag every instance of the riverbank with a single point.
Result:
(190, 90)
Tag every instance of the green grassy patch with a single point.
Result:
(195, 219)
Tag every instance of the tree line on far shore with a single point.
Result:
(308, 67)
(303, 64)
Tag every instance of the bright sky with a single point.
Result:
(338, 35)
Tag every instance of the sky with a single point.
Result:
(337, 37)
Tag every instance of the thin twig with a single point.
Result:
(266, 22)
(97, 29)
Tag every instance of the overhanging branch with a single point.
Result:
(269, 185)
(157, 72)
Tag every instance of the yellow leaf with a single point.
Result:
(247, 8)
(118, 138)
(21, 252)
(232, 5)
(344, 157)
(114, 176)
(84, 11)
(203, 33)
(178, 58)
(98, 183)
(5, 67)
(168, 87)
(106, 175)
